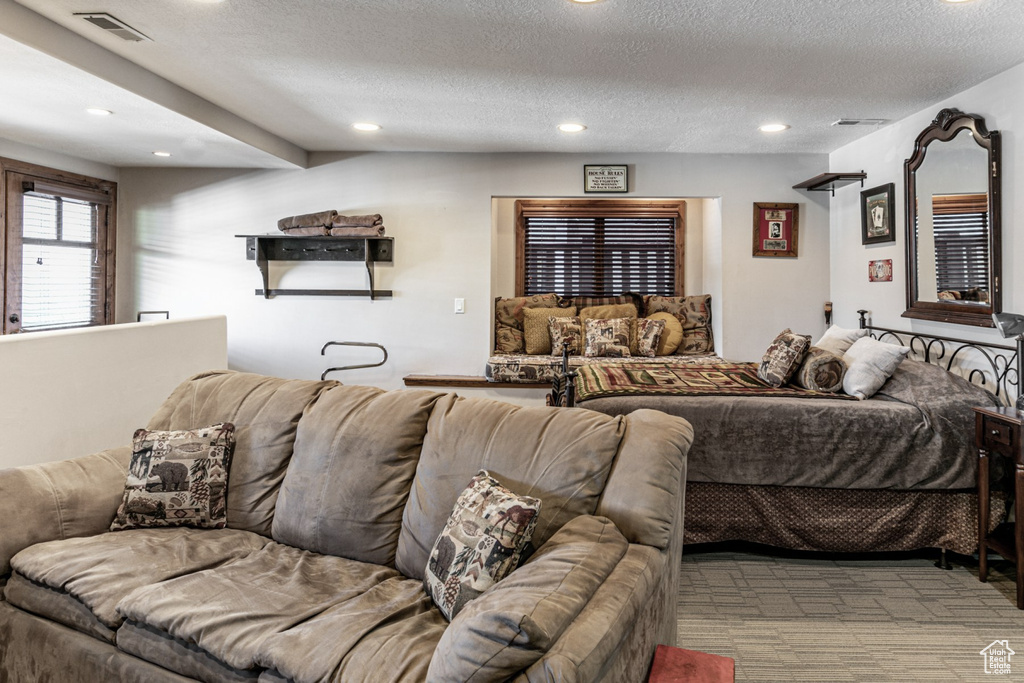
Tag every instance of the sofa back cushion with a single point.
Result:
(265, 412)
(561, 456)
(348, 481)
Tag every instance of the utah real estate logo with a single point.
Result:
(997, 657)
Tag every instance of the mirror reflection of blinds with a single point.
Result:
(599, 256)
(961, 241)
(62, 280)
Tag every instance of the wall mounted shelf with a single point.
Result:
(367, 250)
(828, 182)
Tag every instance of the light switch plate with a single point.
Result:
(460, 305)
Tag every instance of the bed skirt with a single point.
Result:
(836, 520)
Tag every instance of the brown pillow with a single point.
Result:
(694, 314)
(647, 334)
(671, 337)
(536, 336)
(820, 370)
(783, 357)
(608, 312)
(607, 337)
(508, 320)
(566, 330)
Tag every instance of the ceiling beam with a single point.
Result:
(40, 33)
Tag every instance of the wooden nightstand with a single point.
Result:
(998, 431)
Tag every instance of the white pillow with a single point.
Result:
(870, 363)
(837, 339)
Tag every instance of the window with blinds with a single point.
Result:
(961, 242)
(599, 248)
(58, 259)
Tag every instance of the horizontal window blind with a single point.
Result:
(961, 242)
(593, 255)
(62, 278)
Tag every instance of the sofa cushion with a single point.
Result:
(508, 320)
(281, 608)
(694, 314)
(265, 412)
(156, 647)
(177, 478)
(355, 456)
(560, 456)
(480, 544)
(100, 570)
(514, 623)
(536, 335)
(56, 605)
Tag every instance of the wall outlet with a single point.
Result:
(460, 305)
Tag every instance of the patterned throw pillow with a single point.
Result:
(563, 330)
(606, 337)
(536, 334)
(648, 335)
(508, 320)
(481, 544)
(672, 337)
(608, 311)
(694, 313)
(177, 478)
(783, 357)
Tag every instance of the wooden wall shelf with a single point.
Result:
(368, 250)
(828, 182)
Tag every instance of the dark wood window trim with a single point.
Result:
(103, 193)
(617, 208)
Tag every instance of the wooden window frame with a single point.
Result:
(12, 174)
(636, 208)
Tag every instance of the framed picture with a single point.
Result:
(776, 229)
(877, 218)
(605, 179)
(880, 271)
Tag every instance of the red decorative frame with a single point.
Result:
(880, 271)
(776, 229)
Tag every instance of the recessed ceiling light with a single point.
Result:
(571, 127)
(161, 154)
(366, 126)
(773, 127)
(96, 111)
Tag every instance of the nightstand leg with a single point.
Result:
(1019, 533)
(983, 509)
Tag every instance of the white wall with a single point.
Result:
(177, 251)
(1001, 101)
(70, 393)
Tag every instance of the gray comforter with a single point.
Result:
(917, 432)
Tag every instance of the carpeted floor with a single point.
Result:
(887, 617)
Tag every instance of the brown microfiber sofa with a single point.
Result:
(336, 496)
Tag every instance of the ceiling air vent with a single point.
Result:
(113, 25)
(859, 122)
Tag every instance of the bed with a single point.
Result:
(819, 472)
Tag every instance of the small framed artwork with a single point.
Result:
(880, 271)
(877, 219)
(605, 179)
(776, 229)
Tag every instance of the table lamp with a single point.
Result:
(1009, 325)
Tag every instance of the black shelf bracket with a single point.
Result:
(828, 182)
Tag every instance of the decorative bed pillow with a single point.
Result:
(838, 339)
(607, 337)
(694, 314)
(536, 335)
(481, 543)
(508, 320)
(177, 478)
(647, 334)
(581, 302)
(820, 370)
(870, 362)
(561, 330)
(671, 337)
(608, 312)
(782, 358)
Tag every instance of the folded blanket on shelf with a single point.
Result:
(318, 231)
(308, 220)
(371, 231)
(365, 221)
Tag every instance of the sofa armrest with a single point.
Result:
(614, 637)
(57, 500)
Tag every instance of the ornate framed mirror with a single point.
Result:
(954, 247)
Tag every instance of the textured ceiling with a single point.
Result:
(643, 76)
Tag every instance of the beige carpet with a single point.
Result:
(886, 617)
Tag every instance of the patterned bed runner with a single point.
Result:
(724, 379)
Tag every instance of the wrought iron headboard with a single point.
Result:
(996, 367)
